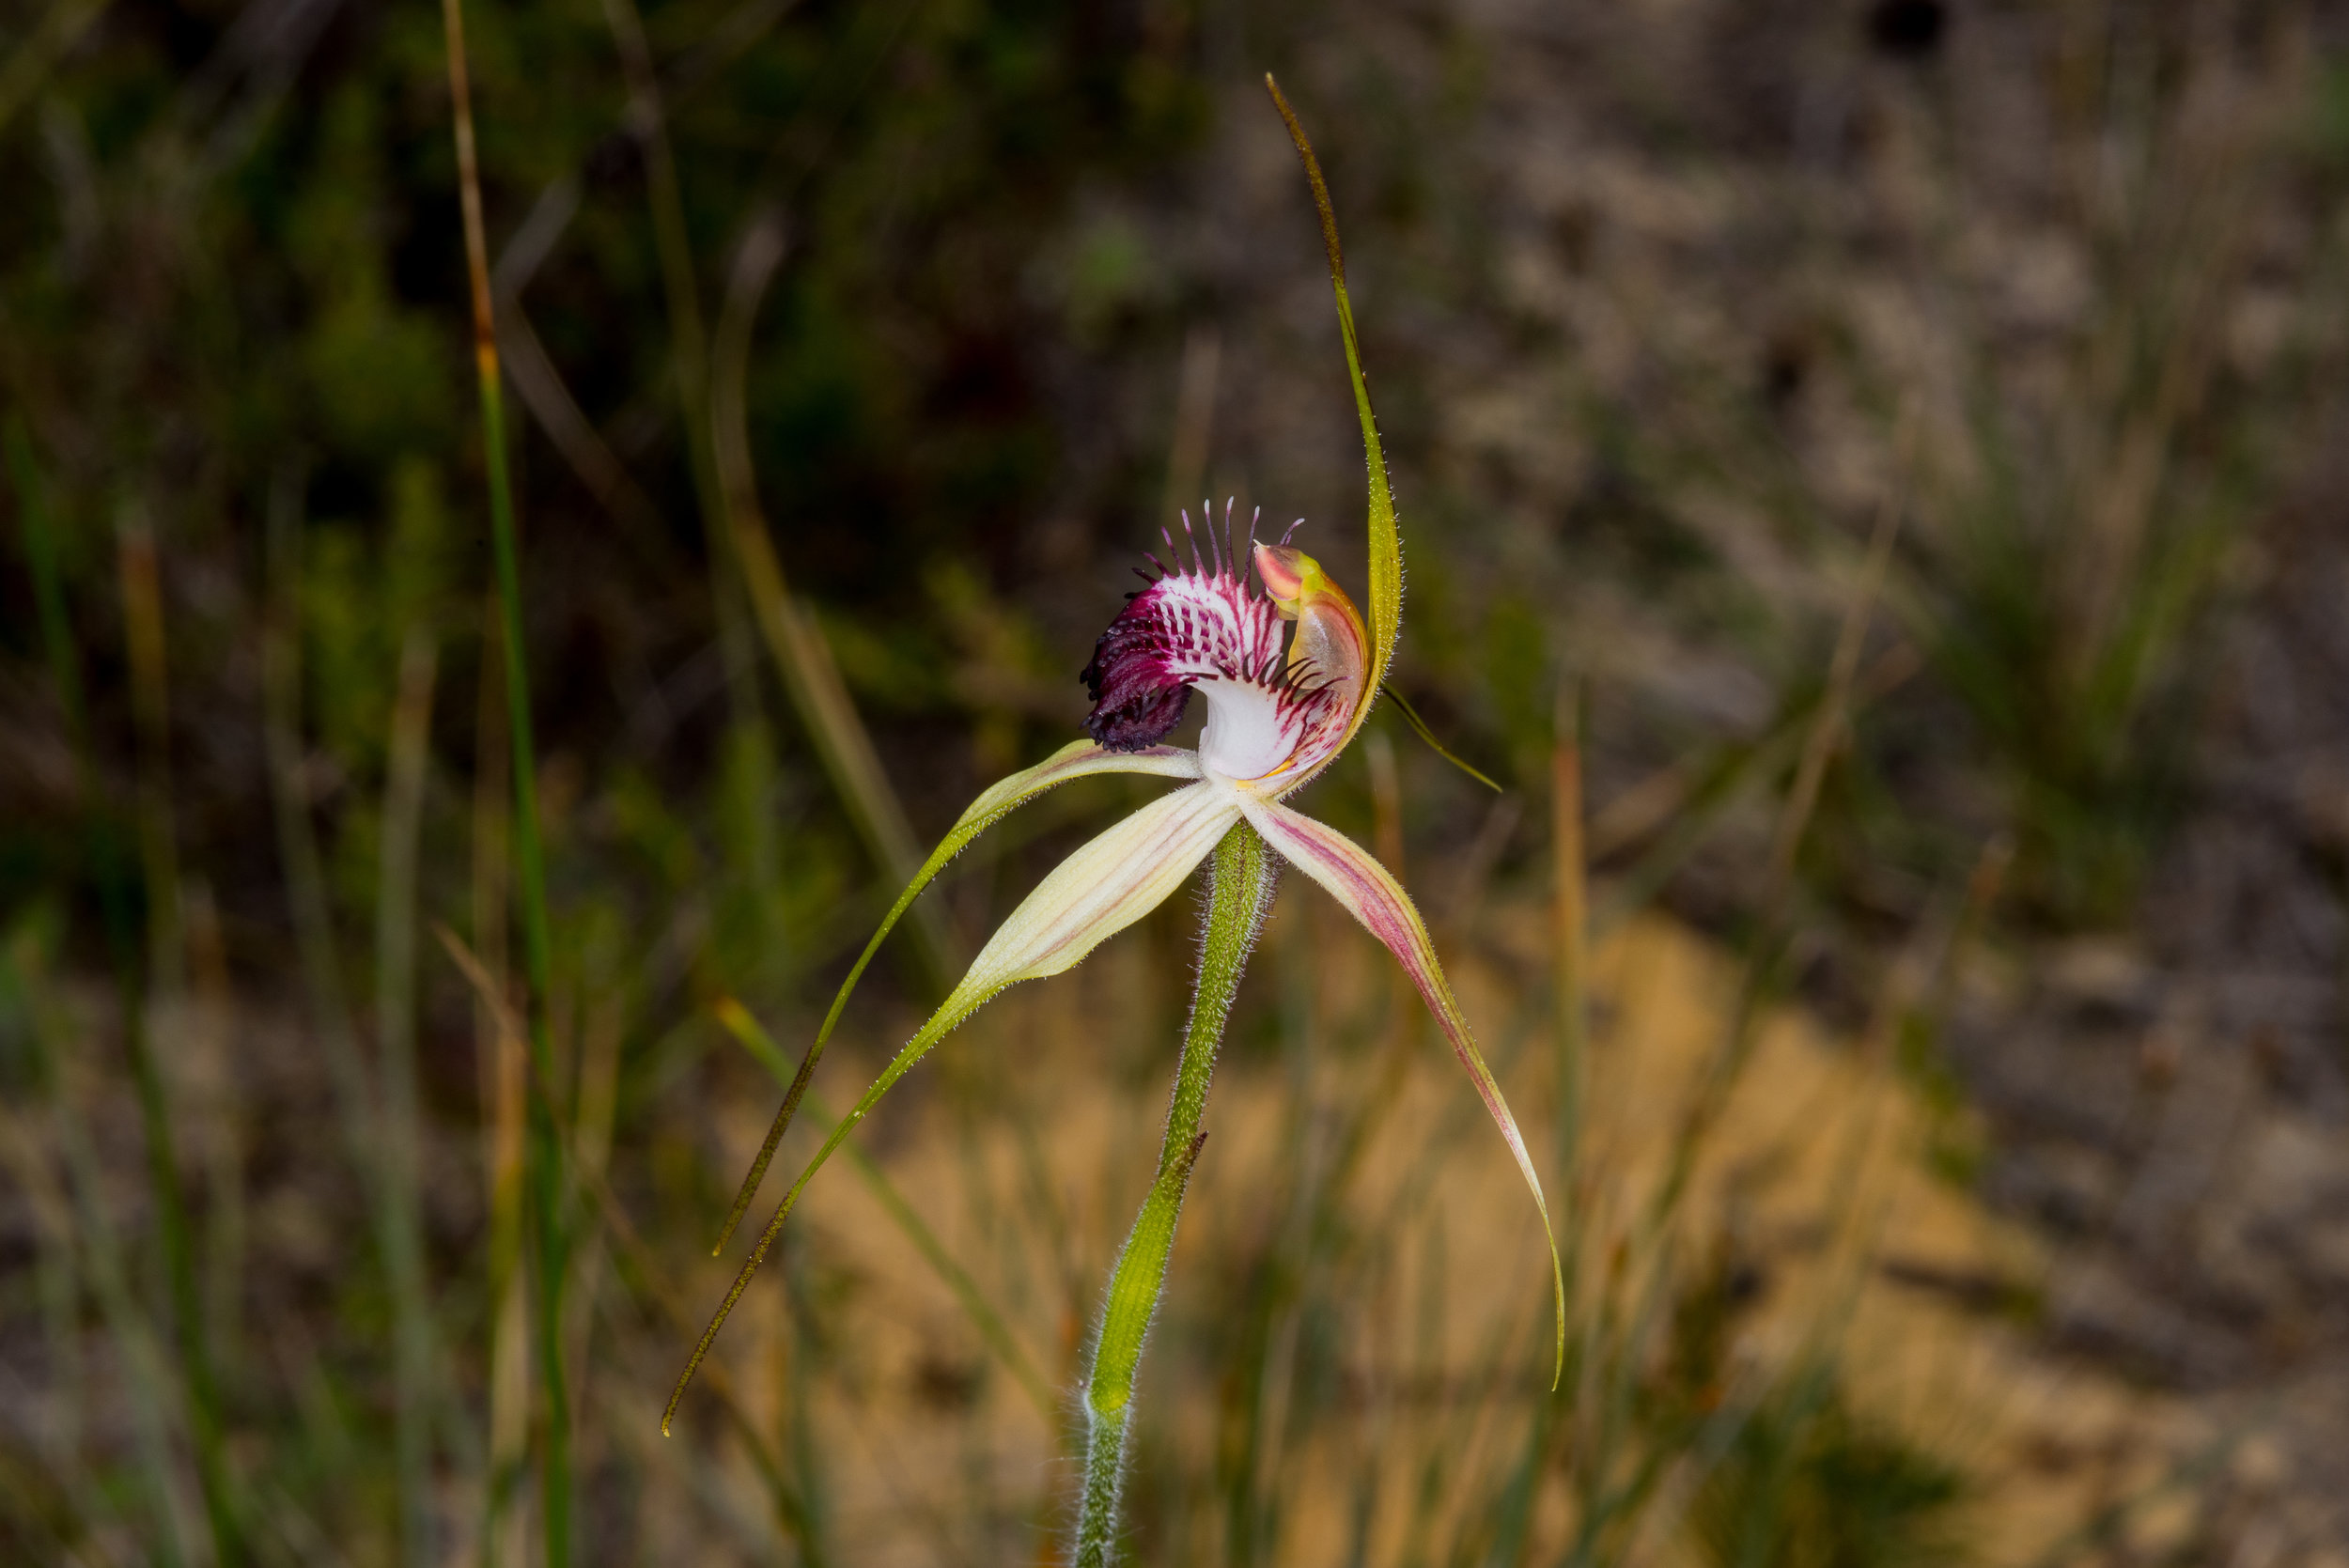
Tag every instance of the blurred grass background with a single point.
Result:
(1869, 474)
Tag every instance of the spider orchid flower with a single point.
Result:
(1281, 707)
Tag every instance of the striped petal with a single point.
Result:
(1111, 882)
(1327, 665)
(1371, 895)
(1076, 760)
(1101, 890)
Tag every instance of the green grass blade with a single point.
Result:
(149, 1384)
(415, 1349)
(138, 1340)
(40, 553)
(795, 641)
(143, 635)
(375, 1111)
(546, 1206)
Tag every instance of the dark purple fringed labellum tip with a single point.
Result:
(1136, 702)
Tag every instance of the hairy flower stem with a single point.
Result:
(1239, 892)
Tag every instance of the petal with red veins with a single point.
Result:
(1330, 656)
(1374, 897)
(1106, 886)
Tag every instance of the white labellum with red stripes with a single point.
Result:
(1274, 716)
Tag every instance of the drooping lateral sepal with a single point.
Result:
(1353, 877)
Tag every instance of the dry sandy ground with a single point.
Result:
(1820, 1171)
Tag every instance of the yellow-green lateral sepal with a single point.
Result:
(1106, 885)
(1076, 760)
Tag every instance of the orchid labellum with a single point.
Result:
(1289, 669)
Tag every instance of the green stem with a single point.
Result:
(1240, 888)
(143, 630)
(544, 1180)
(415, 1354)
(377, 1118)
(149, 1379)
(41, 549)
(106, 864)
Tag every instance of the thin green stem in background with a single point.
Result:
(752, 741)
(40, 551)
(370, 1121)
(795, 1510)
(544, 1179)
(1240, 889)
(140, 577)
(1570, 922)
(1419, 727)
(146, 1363)
(415, 1353)
(143, 636)
(133, 1336)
